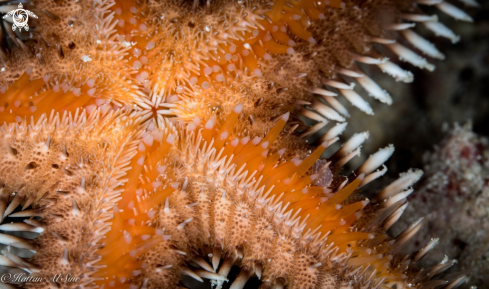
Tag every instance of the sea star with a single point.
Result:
(166, 144)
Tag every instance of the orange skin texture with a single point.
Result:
(203, 118)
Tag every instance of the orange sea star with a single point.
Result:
(146, 140)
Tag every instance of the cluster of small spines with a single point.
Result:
(96, 58)
(70, 184)
(216, 55)
(222, 200)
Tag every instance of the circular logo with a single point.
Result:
(20, 17)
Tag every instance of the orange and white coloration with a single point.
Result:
(69, 170)
(131, 207)
(281, 54)
(154, 139)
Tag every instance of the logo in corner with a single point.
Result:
(20, 17)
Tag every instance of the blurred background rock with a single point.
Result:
(454, 191)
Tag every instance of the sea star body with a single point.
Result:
(151, 135)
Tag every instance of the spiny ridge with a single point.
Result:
(67, 171)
